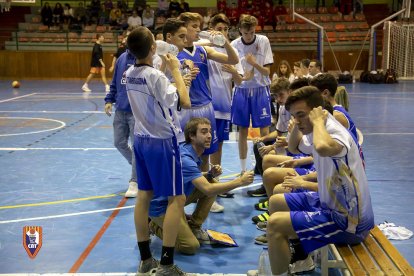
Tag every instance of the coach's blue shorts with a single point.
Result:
(223, 129)
(314, 225)
(205, 111)
(158, 164)
(254, 102)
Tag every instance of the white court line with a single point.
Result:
(84, 149)
(382, 98)
(249, 186)
(66, 215)
(388, 133)
(15, 98)
(52, 112)
(95, 211)
(62, 124)
(110, 274)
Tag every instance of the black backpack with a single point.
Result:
(364, 77)
(390, 76)
(345, 77)
(376, 77)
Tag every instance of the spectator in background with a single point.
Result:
(122, 5)
(297, 71)
(315, 67)
(67, 14)
(139, 6)
(115, 16)
(47, 14)
(108, 6)
(221, 6)
(103, 16)
(304, 66)
(94, 9)
(278, 11)
(134, 20)
(206, 19)
(80, 16)
(284, 71)
(57, 14)
(174, 8)
(162, 7)
(148, 17)
(159, 22)
(233, 14)
(184, 6)
(269, 14)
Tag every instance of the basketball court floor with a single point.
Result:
(59, 170)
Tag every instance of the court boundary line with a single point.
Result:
(53, 112)
(78, 263)
(15, 98)
(99, 211)
(62, 125)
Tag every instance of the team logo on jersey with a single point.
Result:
(202, 57)
(123, 80)
(32, 240)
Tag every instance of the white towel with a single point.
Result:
(393, 232)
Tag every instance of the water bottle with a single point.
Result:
(185, 70)
(264, 264)
(260, 144)
(164, 48)
(217, 39)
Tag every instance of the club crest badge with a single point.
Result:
(32, 240)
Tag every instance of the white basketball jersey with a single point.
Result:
(342, 183)
(261, 50)
(153, 102)
(221, 86)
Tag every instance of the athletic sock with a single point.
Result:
(243, 164)
(144, 250)
(167, 255)
(299, 252)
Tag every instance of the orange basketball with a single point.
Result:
(15, 84)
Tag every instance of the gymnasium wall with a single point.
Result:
(75, 65)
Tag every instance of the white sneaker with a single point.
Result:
(86, 88)
(132, 189)
(303, 266)
(253, 273)
(216, 208)
(107, 88)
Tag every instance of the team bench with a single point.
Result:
(375, 256)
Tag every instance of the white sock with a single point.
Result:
(243, 164)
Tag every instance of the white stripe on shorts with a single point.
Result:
(319, 236)
(316, 227)
(173, 167)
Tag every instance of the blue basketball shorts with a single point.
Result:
(251, 102)
(314, 225)
(223, 129)
(158, 164)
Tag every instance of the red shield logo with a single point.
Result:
(32, 240)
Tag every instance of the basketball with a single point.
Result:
(15, 84)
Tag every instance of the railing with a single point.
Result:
(59, 40)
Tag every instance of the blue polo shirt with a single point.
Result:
(190, 166)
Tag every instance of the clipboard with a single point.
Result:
(221, 238)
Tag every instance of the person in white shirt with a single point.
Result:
(134, 20)
(341, 210)
(154, 103)
(251, 100)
